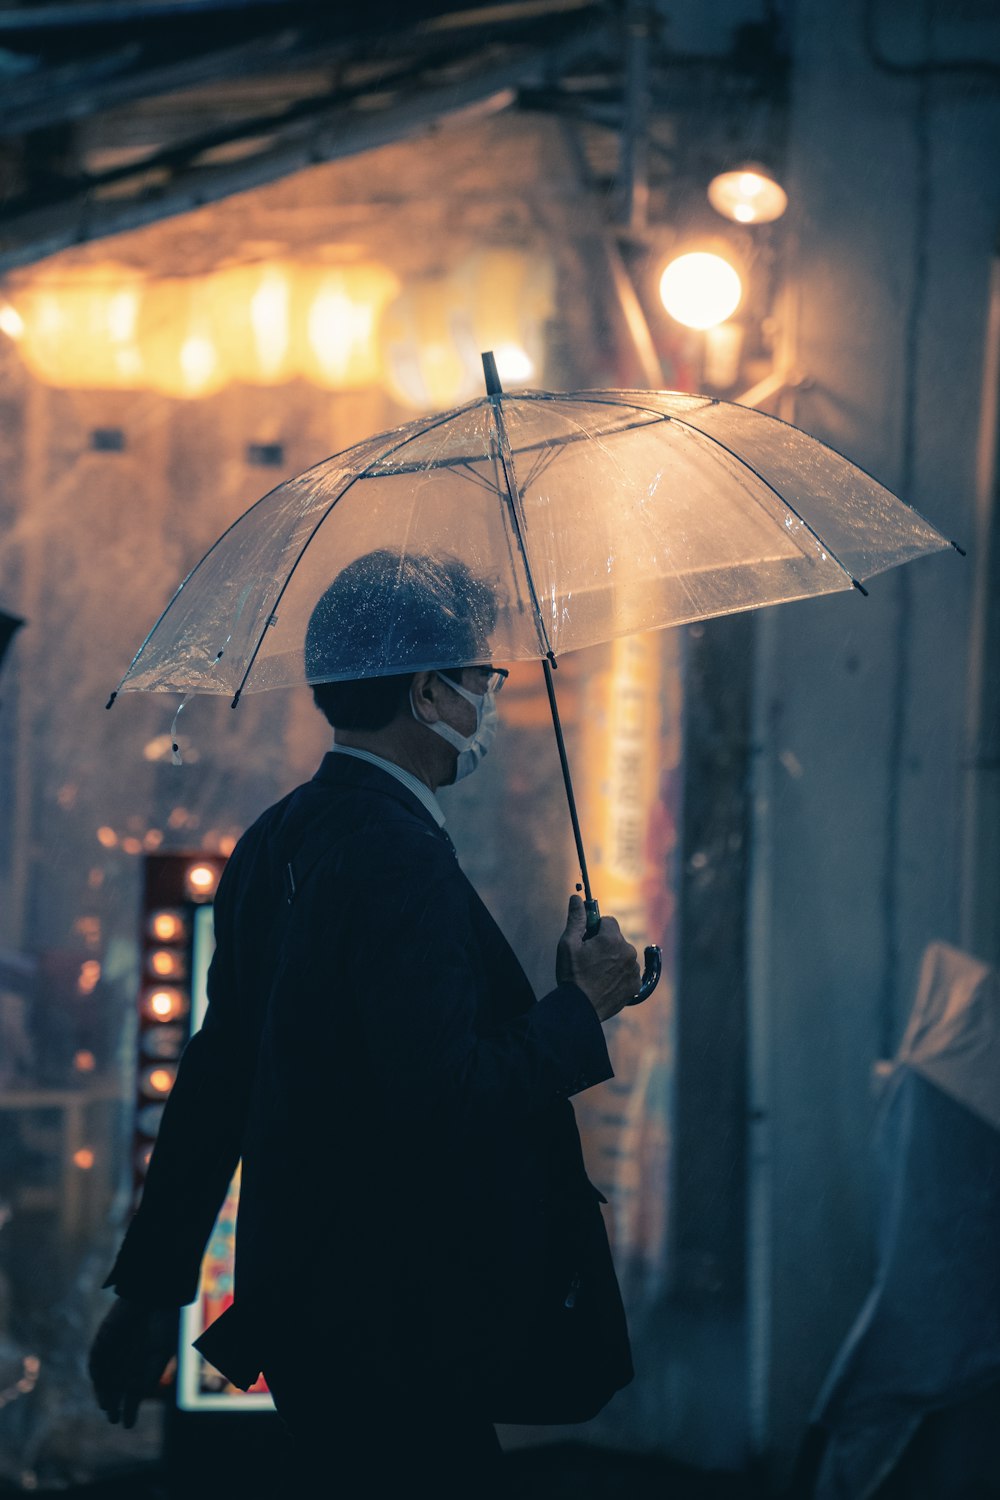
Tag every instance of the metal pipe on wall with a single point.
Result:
(980, 909)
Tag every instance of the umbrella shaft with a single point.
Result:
(550, 688)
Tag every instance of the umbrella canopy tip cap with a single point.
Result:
(491, 374)
(111, 700)
(960, 550)
(860, 587)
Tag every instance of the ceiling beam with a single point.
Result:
(38, 233)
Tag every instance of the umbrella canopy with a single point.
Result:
(590, 515)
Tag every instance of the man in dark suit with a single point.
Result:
(419, 1251)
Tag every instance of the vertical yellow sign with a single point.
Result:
(630, 736)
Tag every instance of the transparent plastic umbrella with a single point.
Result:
(591, 515)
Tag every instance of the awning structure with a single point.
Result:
(115, 114)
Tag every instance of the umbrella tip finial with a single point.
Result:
(492, 377)
(111, 700)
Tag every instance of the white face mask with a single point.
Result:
(471, 747)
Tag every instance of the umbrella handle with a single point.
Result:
(653, 961)
(652, 957)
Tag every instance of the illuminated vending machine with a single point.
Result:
(177, 946)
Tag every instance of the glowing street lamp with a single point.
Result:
(748, 195)
(700, 289)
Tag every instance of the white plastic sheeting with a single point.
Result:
(928, 1336)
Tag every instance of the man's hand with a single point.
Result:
(130, 1352)
(605, 967)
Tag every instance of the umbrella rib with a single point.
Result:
(474, 478)
(513, 495)
(798, 430)
(595, 400)
(497, 489)
(777, 495)
(185, 581)
(362, 474)
(543, 444)
(544, 461)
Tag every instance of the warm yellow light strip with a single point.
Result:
(621, 758)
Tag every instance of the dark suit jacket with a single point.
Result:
(374, 1053)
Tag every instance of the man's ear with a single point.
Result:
(424, 695)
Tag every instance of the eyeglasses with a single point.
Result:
(495, 677)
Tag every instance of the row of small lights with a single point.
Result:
(152, 840)
(347, 326)
(165, 1004)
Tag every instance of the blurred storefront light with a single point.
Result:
(89, 976)
(251, 322)
(262, 323)
(335, 331)
(422, 368)
(168, 927)
(341, 326)
(433, 335)
(79, 332)
(165, 1004)
(84, 1158)
(11, 322)
(748, 195)
(502, 300)
(177, 336)
(167, 963)
(700, 289)
(201, 880)
(158, 1081)
(514, 365)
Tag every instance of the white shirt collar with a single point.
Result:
(420, 791)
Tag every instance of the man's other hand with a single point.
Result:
(130, 1352)
(605, 966)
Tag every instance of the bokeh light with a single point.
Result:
(168, 927)
(166, 964)
(700, 289)
(165, 1004)
(747, 196)
(201, 880)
